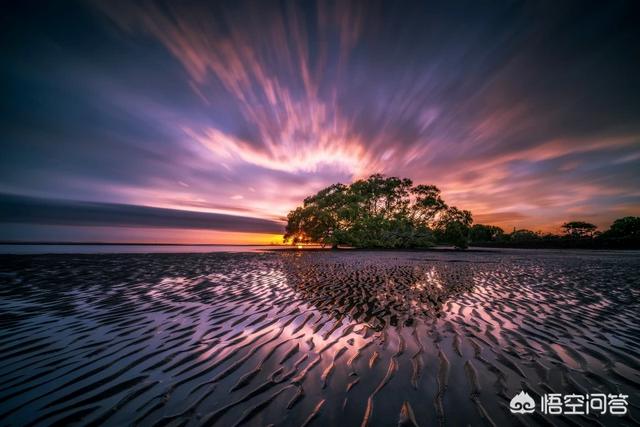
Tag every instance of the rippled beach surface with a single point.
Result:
(322, 338)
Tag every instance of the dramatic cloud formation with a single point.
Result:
(525, 115)
(19, 209)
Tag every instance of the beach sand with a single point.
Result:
(341, 338)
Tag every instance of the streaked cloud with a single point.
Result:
(30, 210)
(526, 115)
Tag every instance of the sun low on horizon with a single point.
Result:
(208, 122)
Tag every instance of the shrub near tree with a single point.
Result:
(523, 235)
(486, 233)
(378, 212)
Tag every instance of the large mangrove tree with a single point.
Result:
(378, 212)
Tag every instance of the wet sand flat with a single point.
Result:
(343, 338)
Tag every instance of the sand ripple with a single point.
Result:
(347, 338)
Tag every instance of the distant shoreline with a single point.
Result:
(560, 244)
(474, 247)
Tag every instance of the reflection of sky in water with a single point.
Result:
(219, 327)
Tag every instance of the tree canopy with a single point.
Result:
(382, 212)
(626, 227)
(579, 229)
(486, 233)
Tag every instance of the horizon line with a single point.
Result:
(137, 244)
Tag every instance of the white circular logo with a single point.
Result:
(522, 403)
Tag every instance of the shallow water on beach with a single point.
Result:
(333, 338)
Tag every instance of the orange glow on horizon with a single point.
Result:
(215, 237)
(128, 235)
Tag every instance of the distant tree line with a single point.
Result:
(624, 233)
(390, 212)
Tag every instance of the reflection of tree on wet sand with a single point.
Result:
(376, 293)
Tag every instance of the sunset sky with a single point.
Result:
(207, 122)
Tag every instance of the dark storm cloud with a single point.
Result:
(20, 209)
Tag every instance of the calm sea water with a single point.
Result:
(105, 249)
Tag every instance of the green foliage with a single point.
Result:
(486, 233)
(381, 212)
(626, 227)
(378, 212)
(579, 229)
(453, 227)
(623, 234)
